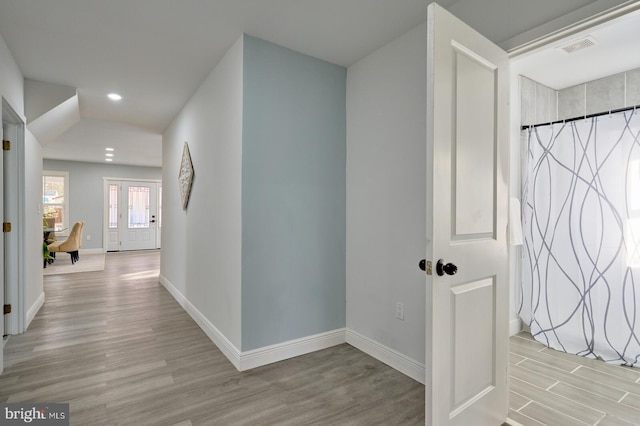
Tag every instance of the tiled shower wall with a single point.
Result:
(541, 104)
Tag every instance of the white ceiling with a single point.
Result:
(617, 49)
(157, 52)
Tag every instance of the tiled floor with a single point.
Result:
(553, 388)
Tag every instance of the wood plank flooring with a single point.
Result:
(553, 388)
(121, 351)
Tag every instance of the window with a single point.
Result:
(159, 205)
(113, 206)
(139, 207)
(55, 198)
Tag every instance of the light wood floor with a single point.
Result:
(558, 389)
(121, 351)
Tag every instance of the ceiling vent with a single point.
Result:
(580, 44)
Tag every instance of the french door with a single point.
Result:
(133, 216)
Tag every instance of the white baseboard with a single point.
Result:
(256, 357)
(515, 326)
(91, 251)
(290, 349)
(293, 348)
(33, 310)
(219, 339)
(389, 356)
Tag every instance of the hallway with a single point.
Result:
(121, 351)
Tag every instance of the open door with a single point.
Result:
(467, 199)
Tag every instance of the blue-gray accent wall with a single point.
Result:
(293, 195)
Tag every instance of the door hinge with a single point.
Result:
(7, 309)
(6, 145)
(6, 226)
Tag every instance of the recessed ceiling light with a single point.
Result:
(109, 155)
(109, 149)
(108, 159)
(114, 96)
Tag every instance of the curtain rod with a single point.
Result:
(582, 117)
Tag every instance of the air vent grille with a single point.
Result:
(575, 45)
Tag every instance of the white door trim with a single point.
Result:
(16, 270)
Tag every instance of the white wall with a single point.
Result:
(12, 90)
(33, 220)
(201, 246)
(386, 194)
(11, 80)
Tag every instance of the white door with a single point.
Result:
(139, 215)
(467, 188)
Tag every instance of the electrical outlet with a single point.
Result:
(400, 311)
(88, 237)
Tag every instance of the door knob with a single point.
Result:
(442, 268)
(423, 264)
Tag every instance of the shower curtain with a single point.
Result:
(581, 224)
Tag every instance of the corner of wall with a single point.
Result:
(386, 168)
(203, 263)
(293, 195)
(391, 357)
(232, 353)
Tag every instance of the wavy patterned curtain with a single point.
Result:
(581, 252)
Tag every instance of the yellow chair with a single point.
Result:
(72, 244)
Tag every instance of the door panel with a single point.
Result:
(474, 143)
(467, 163)
(473, 318)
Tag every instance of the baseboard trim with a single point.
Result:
(290, 349)
(391, 357)
(33, 310)
(220, 340)
(91, 251)
(515, 326)
(293, 348)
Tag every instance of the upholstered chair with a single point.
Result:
(72, 244)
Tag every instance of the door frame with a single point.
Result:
(105, 210)
(14, 267)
